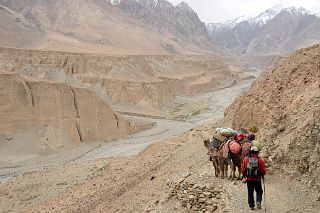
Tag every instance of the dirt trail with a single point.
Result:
(281, 196)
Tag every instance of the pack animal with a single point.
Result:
(219, 160)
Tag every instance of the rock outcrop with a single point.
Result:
(76, 113)
(284, 104)
(146, 80)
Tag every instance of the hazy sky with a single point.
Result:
(222, 10)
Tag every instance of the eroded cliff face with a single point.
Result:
(148, 80)
(285, 106)
(75, 113)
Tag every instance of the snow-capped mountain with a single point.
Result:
(276, 29)
(262, 18)
(266, 16)
(315, 11)
(115, 2)
(227, 24)
(152, 3)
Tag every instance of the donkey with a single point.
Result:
(219, 160)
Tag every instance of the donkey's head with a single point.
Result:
(207, 144)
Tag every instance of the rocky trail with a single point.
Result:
(281, 196)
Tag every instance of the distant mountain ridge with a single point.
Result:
(150, 27)
(277, 30)
(154, 26)
(262, 18)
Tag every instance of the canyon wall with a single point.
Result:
(75, 112)
(148, 80)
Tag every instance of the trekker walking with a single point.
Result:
(251, 137)
(253, 169)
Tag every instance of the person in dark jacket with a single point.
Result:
(251, 137)
(254, 169)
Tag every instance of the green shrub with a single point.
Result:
(254, 129)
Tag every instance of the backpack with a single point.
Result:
(234, 147)
(219, 137)
(215, 143)
(246, 146)
(252, 169)
(227, 132)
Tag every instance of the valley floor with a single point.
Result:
(196, 111)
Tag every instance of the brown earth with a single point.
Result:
(140, 184)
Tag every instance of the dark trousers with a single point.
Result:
(254, 186)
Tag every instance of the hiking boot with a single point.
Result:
(258, 205)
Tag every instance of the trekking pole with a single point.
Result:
(264, 195)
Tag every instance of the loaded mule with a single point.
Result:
(239, 147)
(218, 151)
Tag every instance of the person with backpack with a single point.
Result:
(251, 137)
(254, 169)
